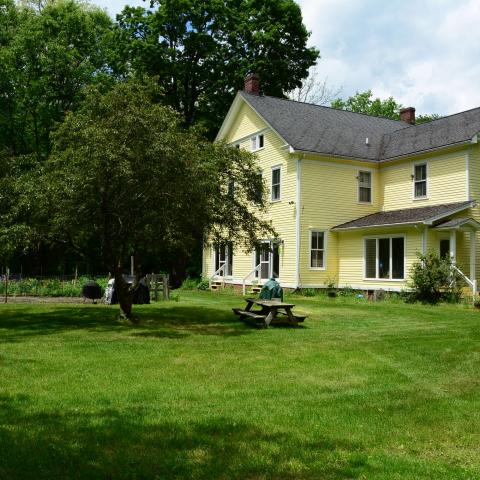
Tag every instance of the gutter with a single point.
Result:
(382, 161)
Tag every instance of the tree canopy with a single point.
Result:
(201, 51)
(48, 55)
(124, 178)
(364, 102)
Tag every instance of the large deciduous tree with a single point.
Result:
(47, 56)
(200, 51)
(125, 178)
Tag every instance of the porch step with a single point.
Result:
(216, 286)
(254, 290)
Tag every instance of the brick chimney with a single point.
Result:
(252, 84)
(408, 115)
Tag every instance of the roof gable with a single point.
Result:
(231, 120)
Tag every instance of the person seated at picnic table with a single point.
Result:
(271, 290)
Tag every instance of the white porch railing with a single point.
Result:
(216, 274)
(256, 269)
(471, 283)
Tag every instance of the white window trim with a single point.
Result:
(366, 170)
(416, 164)
(325, 236)
(256, 137)
(279, 199)
(377, 237)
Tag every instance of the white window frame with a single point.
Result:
(423, 197)
(273, 200)
(377, 238)
(364, 170)
(255, 142)
(317, 230)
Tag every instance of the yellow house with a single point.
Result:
(353, 198)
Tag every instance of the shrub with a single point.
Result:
(308, 292)
(347, 291)
(203, 284)
(433, 279)
(190, 283)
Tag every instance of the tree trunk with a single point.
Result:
(124, 295)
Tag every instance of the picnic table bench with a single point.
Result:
(272, 312)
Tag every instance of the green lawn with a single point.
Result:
(373, 391)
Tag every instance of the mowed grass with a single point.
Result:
(363, 390)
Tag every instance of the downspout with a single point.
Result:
(298, 223)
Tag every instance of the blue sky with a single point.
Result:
(425, 53)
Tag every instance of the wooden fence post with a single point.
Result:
(155, 286)
(166, 292)
(6, 284)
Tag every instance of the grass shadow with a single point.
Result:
(165, 321)
(133, 445)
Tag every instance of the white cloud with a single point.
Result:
(424, 54)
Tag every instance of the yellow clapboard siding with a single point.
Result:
(281, 213)
(351, 260)
(446, 181)
(329, 197)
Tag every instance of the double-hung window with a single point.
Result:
(317, 250)
(258, 142)
(276, 179)
(420, 180)
(385, 258)
(365, 187)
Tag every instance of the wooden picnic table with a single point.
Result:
(269, 312)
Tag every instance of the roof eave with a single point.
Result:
(427, 222)
(381, 225)
(472, 223)
(436, 218)
(294, 150)
(421, 152)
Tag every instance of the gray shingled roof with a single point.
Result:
(406, 216)
(317, 129)
(313, 128)
(451, 130)
(458, 222)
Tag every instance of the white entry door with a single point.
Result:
(268, 257)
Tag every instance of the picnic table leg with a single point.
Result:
(247, 309)
(249, 306)
(271, 316)
(291, 316)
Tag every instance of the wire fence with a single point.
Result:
(16, 285)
